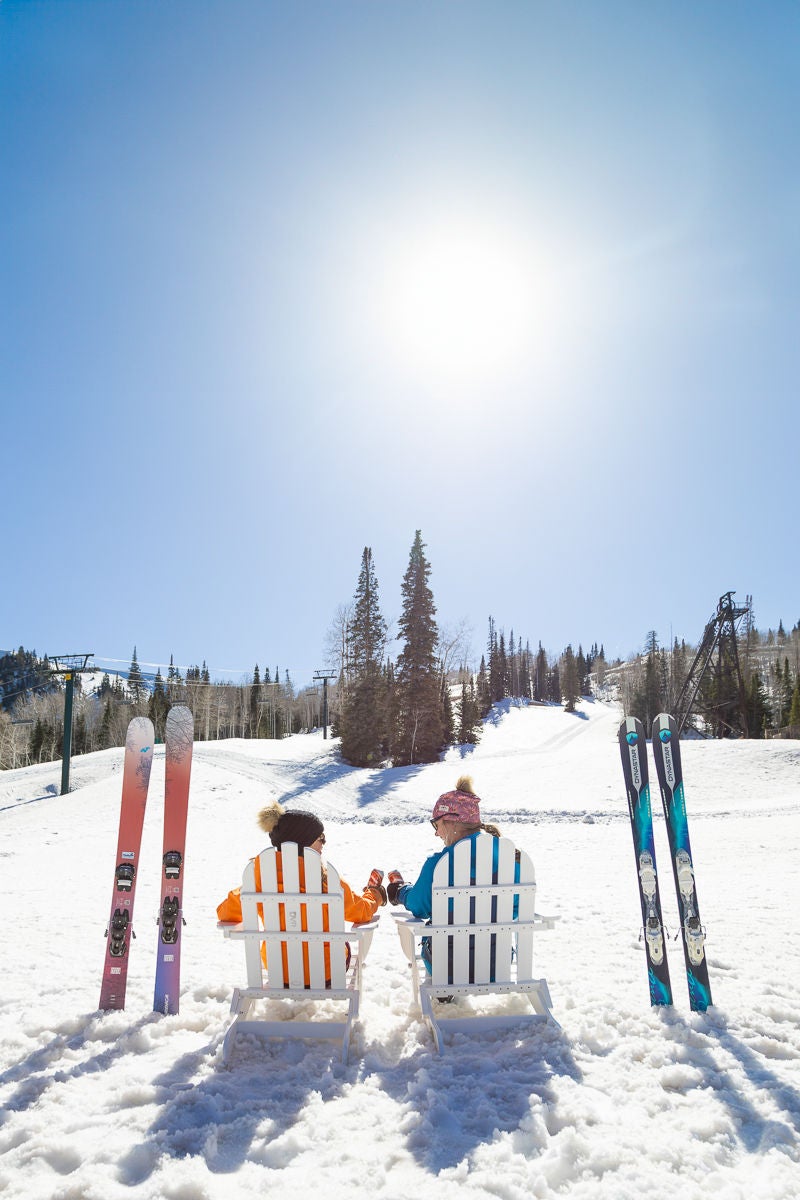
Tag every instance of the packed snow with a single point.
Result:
(617, 1101)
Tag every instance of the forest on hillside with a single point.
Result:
(405, 709)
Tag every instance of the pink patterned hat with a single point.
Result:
(457, 806)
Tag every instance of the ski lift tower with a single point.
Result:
(718, 653)
(324, 674)
(68, 665)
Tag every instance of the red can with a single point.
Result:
(395, 877)
(375, 878)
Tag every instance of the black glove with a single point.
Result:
(392, 891)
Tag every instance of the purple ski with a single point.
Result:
(179, 743)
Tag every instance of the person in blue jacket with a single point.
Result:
(456, 815)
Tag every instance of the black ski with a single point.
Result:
(667, 752)
(633, 750)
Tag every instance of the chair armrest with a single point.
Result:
(409, 927)
(407, 920)
(364, 926)
(229, 927)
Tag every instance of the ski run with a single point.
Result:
(622, 1099)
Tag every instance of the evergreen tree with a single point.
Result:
(495, 671)
(135, 680)
(504, 688)
(570, 682)
(469, 720)
(157, 708)
(794, 712)
(367, 628)
(362, 718)
(541, 673)
(448, 715)
(785, 692)
(255, 703)
(483, 690)
(419, 736)
(758, 713)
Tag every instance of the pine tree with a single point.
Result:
(484, 694)
(541, 672)
(469, 718)
(419, 736)
(758, 712)
(157, 708)
(135, 680)
(255, 703)
(794, 713)
(362, 718)
(367, 628)
(570, 682)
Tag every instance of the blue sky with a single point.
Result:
(283, 281)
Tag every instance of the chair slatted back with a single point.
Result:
(472, 926)
(297, 916)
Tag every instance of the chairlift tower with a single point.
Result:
(324, 675)
(68, 665)
(718, 656)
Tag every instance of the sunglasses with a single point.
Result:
(321, 839)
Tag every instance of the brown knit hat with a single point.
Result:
(292, 825)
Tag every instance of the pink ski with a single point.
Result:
(135, 781)
(179, 743)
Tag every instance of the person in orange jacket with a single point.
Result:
(306, 829)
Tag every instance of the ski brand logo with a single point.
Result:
(665, 737)
(669, 766)
(128, 854)
(636, 774)
(145, 749)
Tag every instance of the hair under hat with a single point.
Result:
(459, 805)
(289, 825)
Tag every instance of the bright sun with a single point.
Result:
(461, 302)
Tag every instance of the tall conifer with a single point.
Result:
(420, 733)
(362, 721)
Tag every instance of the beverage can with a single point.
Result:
(395, 877)
(375, 878)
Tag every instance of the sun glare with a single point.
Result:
(462, 302)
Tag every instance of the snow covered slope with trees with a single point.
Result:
(620, 1101)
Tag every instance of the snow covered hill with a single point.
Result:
(620, 1101)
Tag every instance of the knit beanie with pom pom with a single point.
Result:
(460, 805)
(292, 825)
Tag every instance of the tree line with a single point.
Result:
(32, 707)
(401, 711)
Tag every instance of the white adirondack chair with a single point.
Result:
(295, 954)
(472, 932)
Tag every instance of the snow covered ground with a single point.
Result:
(619, 1102)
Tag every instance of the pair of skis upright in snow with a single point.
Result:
(179, 740)
(667, 754)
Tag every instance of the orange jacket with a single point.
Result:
(357, 910)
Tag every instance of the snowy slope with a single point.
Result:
(621, 1101)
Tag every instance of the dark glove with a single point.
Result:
(392, 891)
(378, 892)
